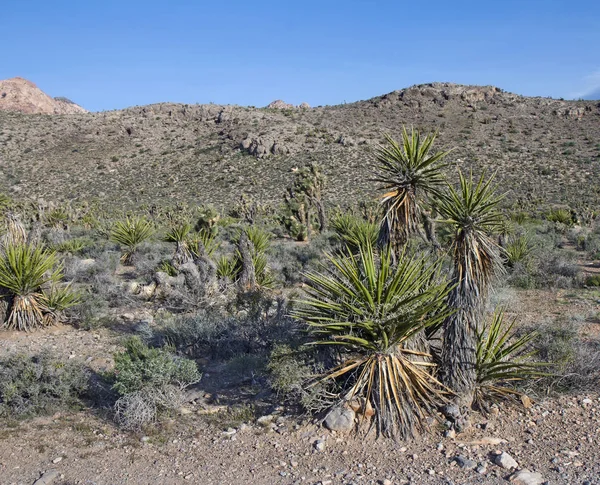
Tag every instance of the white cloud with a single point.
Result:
(591, 89)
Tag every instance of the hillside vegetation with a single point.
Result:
(545, 151)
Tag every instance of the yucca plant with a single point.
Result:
(410, 174)
(226, 268)
(178, 234)
(203, 243)
(58, 218)
(517, 250)
(503, 358)
(472, 213)
(24, 269)
(56, 300)
(354, 232)
(130, 233)
(373, 313)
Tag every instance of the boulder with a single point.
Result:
(340, 418)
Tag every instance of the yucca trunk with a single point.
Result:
(459, 351)
(25, 313)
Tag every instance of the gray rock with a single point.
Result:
(47, 478)
(525, 477)
(451, 411)
(319, 445)
(340, 418)
(464, 462)
(505, 461)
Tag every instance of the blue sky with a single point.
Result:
(113, 54)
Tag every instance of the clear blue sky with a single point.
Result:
(112, 54)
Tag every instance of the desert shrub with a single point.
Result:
(576, 361)
(149, 381)
(32, 385)
(291, 370)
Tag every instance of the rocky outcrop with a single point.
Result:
(23, 96)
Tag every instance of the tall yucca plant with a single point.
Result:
(372, 311)
(410, 174)
(472, 213)
(502, 359)
(24, 269)
(130, 233)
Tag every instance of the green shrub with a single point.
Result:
(32, 385)
(561, 216)
(150, 381)
(141, 367)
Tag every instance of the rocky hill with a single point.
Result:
(543, 150)
(20, 95)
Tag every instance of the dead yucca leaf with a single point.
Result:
(374, 313)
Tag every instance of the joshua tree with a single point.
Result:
(410, 175)
(304, 198)
(472, 213)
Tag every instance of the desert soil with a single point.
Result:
(557, 437)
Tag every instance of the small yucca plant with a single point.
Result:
(56, 300)
(24, 269)
(179, 235)
(374, 313)
(130, 233)
(354, 232)
(517, 250)
(203, 243)
(502, 359)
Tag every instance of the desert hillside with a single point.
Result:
(544, 150)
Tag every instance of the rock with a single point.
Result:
(304, 105)
(505, 461)
(451, 411)
(58, 459)
(47, 478)
(340, 418)
(319, 445)
(464, 462)
(279, 104)
(481, 469)
(451, 433)
(525, 477)
(386, 482)
(264, 420)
